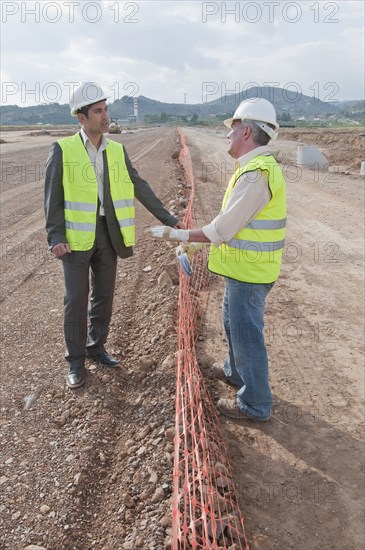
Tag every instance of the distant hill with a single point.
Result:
(286, 102)
(352, 105)
(283, 100)
(52, 113)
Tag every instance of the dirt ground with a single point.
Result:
(92, 468)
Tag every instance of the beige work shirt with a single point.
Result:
(96, 159)
(249, 195)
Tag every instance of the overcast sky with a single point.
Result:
(180, 51)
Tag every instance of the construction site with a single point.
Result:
(139, 457)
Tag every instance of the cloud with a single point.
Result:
(171, 48)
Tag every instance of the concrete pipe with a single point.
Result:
(309, 156)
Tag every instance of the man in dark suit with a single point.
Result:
(90, 186)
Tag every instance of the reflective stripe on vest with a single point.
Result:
(82, 206)
(127, 222)
(266, 224)
(81, 193)
(79, 226)
(254, 254)
(123, 204)
(256, 247)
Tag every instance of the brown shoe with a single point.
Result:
(217, 370)
(229, 408)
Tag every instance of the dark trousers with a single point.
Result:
(94, 271)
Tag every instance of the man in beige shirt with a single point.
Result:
(247, 240)
(249, 195)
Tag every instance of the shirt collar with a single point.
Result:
(262, 150)
(86, 140)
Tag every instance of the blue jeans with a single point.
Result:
(247, 363)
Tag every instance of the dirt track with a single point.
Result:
(299, 476)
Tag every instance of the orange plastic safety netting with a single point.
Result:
(205, 511)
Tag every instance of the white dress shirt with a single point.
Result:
(97, 161)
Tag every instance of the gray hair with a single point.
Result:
(258, 135)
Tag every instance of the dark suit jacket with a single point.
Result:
(54, 202)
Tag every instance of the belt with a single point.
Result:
(102, 219)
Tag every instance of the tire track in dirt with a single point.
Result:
(146, 151)
(16, 192)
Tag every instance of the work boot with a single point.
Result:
(230, 408)
(217, 370)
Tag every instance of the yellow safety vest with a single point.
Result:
(254, 254)
(81, 193)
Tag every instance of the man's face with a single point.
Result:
(235, 136)
(97, 121)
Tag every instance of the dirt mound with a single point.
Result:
(63, 132)
(51, 133)
(39, 133)
(344, 148)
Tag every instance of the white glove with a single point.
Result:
(185, 264)
(184, 253)
(189, 249)
(168, 233)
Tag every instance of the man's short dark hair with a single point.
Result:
(85, 110)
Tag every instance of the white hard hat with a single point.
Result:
(86, 94)
(258, 109)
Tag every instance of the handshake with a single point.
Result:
(185, 251)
